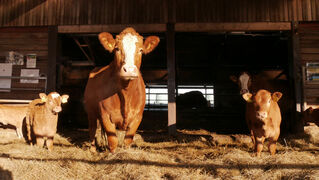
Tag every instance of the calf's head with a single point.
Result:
(128, 47)
(53, 101)
(243, 81)
(262, 102)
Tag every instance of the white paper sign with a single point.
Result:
(29, 73)
(5, 70)
(31, 60)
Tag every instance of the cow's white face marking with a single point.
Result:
(55, 95)
(243, 79)
(129, 47)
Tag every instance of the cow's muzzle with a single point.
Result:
(261, 115)
(129, 72)
(244, 91)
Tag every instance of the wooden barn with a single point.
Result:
(203, 43)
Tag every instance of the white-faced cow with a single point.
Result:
(42, 118)
(263, 118)
(115, 94)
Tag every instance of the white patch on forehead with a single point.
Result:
(55, 95)
(129, 46)
(243, 79)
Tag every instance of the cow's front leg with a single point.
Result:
(272, 146)
(259, 145)
(130, 132)
(110, 130)
(39, 141)
(49, 143)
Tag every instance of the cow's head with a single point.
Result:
(53, 101)
(243, 81)
(262, 102)
(128, 47)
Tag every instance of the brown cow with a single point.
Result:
(42, 118)
(311, 116)
(115, 94)
(263, 118)
(14, 116)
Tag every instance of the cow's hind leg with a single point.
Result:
(92, 131)
(128, 139)
(110, 130)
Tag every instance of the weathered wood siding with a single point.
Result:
(89, 12)
(25, 41)
(309, 52)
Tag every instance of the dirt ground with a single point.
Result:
(191, 154)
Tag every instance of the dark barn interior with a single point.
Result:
(202, 59)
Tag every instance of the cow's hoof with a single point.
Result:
(93, 149)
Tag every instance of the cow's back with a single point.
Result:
(13, 115)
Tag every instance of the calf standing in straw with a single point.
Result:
(42, 118)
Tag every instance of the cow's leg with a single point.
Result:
(92, 130)
(252, 136)
(132, 127)
(259, 145)
(28, 124)
(19, 132)
(49, 143)
(110, 130)
(40, 141)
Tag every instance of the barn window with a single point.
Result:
(157, 97)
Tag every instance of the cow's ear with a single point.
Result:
(43, 97)
(150, 44)
(247, 97)
(64, 98)
(107, 40)
(233, 78)
(276, 96)
(309, 110)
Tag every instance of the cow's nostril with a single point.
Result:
(124, 69)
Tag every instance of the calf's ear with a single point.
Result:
(247, 97)
(233, 78)
(43, 97)
(276, 96)
(107, 40)
(64, 98)
(150, 44)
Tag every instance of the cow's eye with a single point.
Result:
(141, 50)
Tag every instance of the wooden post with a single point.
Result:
(52, 53)
(171, 84)
(296, 74)
(171, 65)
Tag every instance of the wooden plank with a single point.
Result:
(255, 26)
(142, 28)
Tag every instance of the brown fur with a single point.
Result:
(260, 125)
(311, 116)
(114, 100)
(42, 118)
(13, 115)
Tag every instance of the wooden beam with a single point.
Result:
(52, 53)
(254, 26)
(115, 28)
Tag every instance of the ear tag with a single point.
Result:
(110, 45)
(149, 46)
(64, 100)
(43, 99)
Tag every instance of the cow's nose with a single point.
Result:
(57, 109)
(129, 71)
(243, 91)
(261, 115)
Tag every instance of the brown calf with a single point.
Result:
(263, 118)
(42, 118)
(311, 116)
(14, 116)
